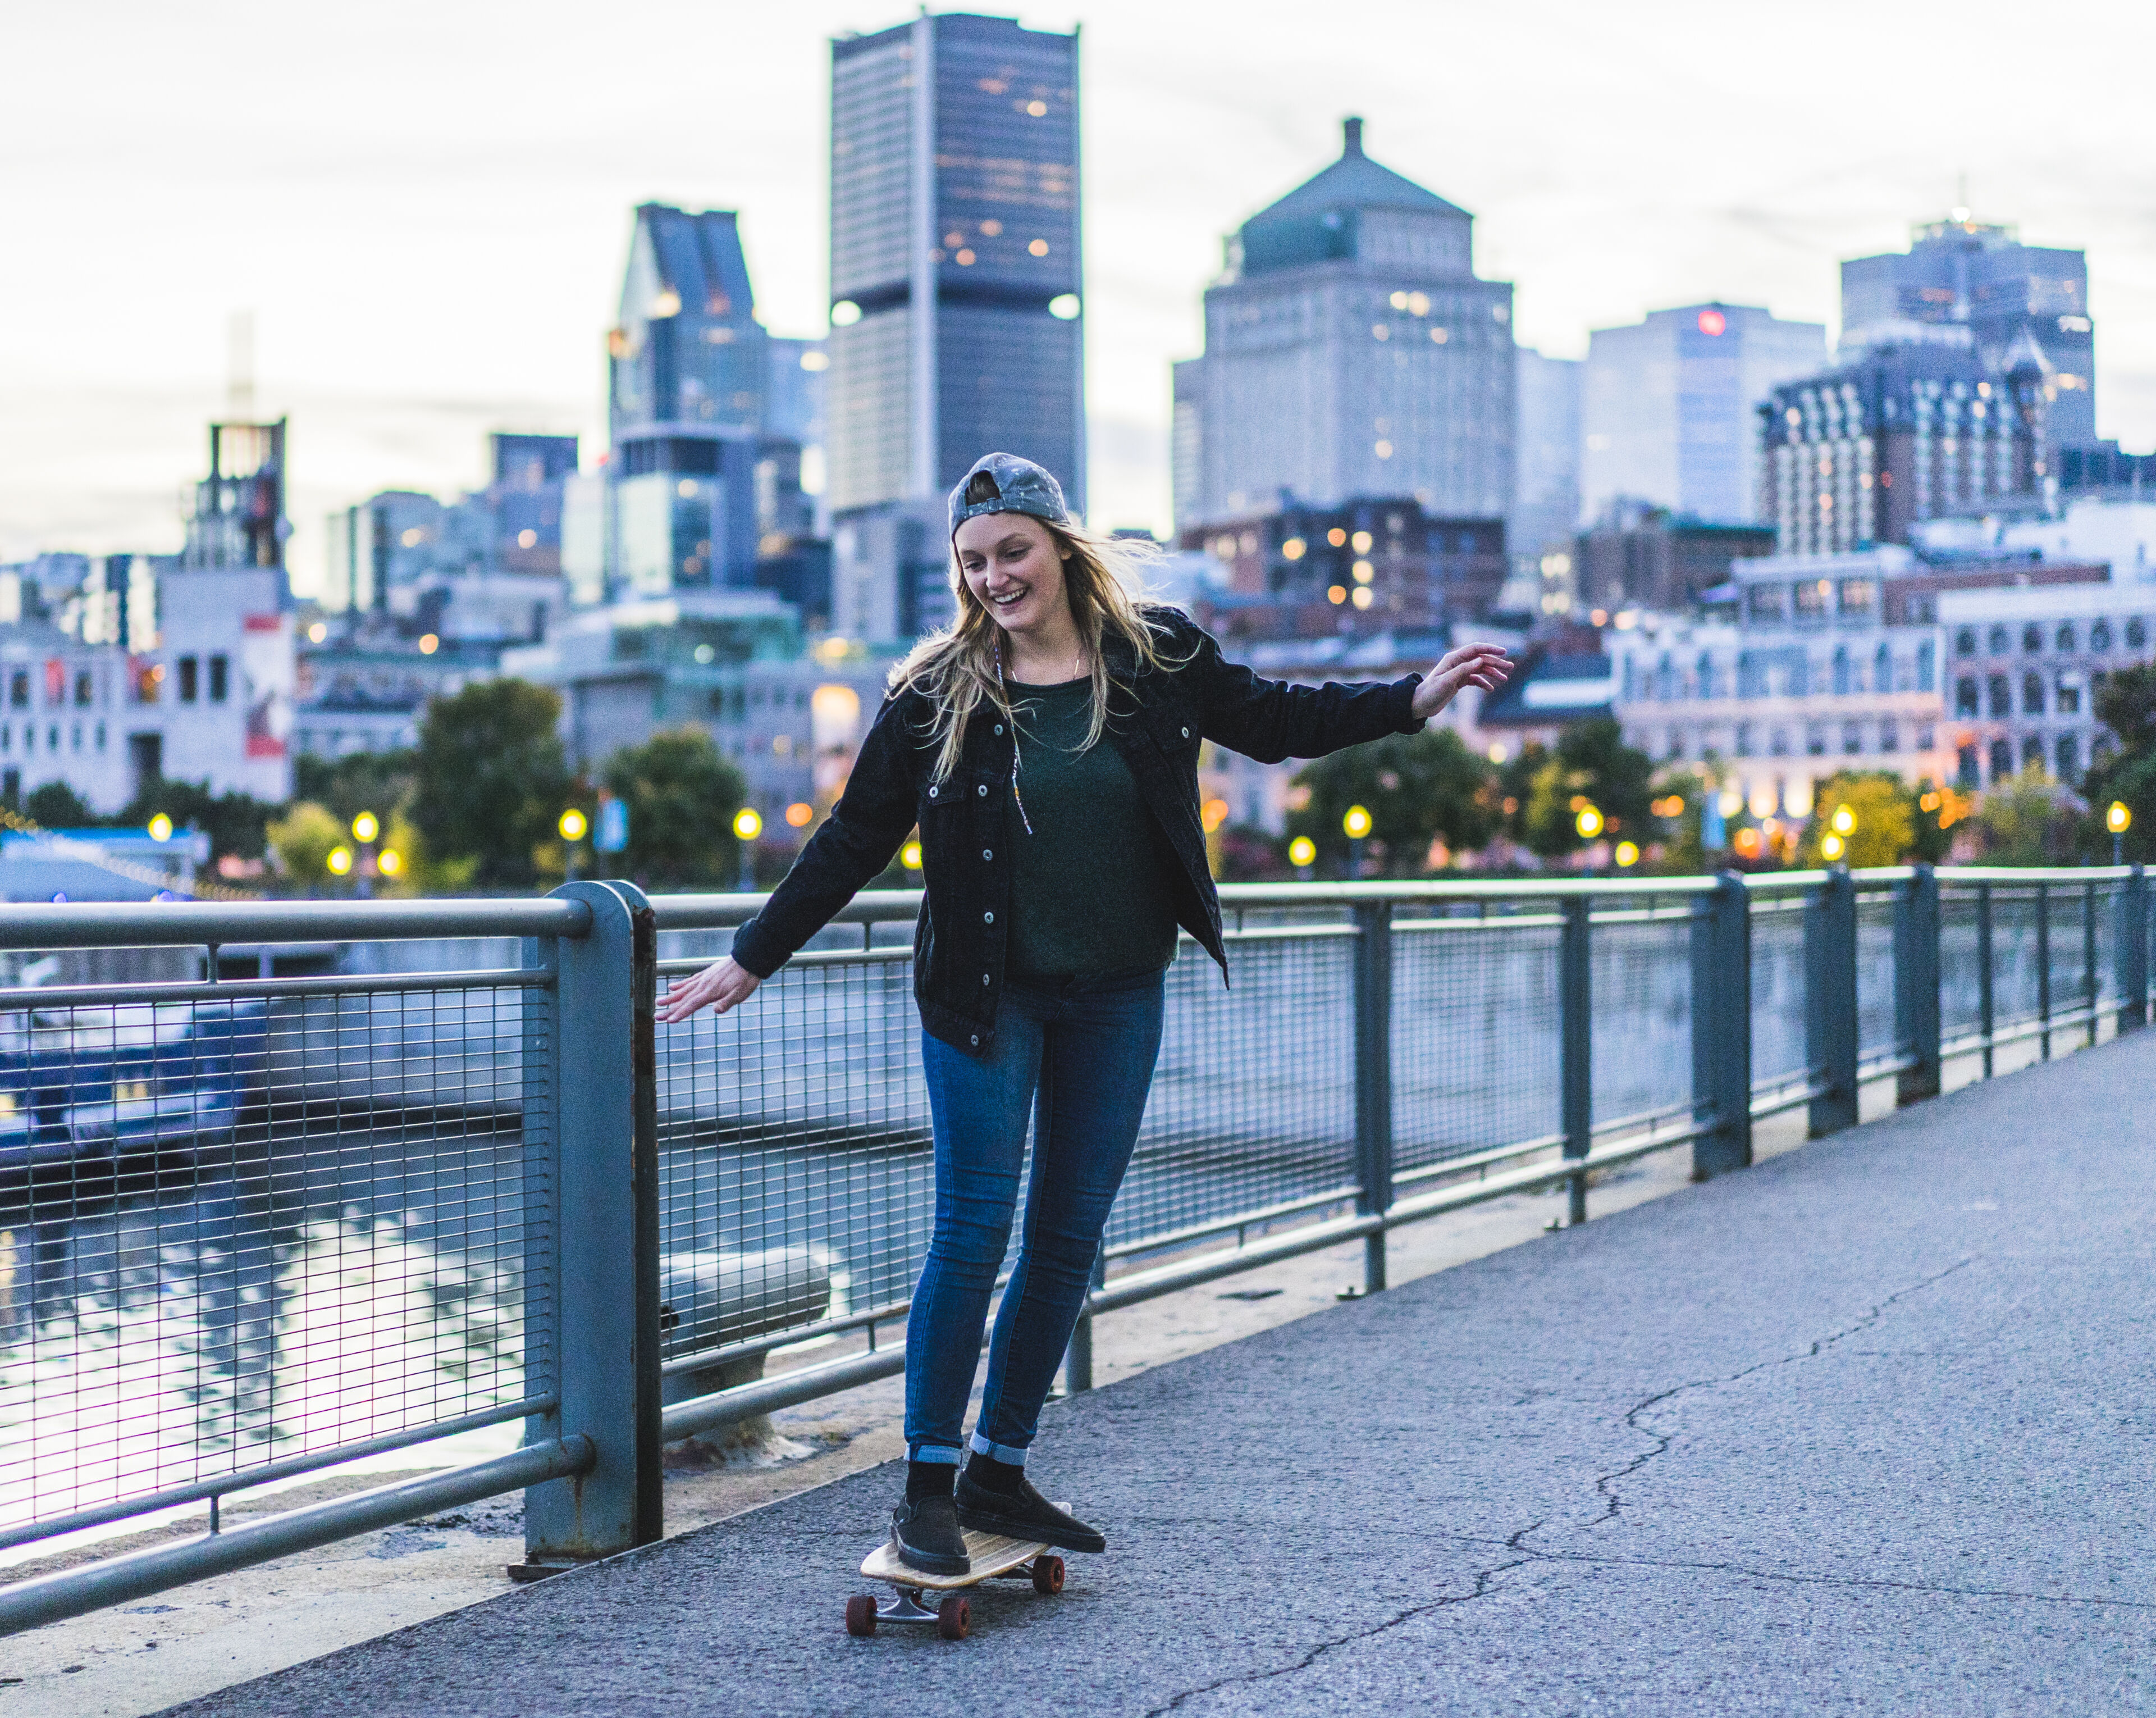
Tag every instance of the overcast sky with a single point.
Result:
(426, 206)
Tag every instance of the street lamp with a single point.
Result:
(1588, 822)
(365, 829)
(161, 828)
(2118, 819)
(574, 826)
(747, 827)
(1626, 855)
(1302, 854)
(1356, 824)
(1844, 822)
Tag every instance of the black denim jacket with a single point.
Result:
(1157, 720)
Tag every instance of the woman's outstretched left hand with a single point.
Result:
(1483, 665)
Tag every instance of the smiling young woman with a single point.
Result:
(1046, 745)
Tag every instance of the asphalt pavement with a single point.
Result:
(1867, 1428)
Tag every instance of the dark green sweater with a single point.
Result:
(1088, 898)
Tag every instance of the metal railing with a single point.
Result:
(255, 1229)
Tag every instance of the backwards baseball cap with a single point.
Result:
(1004, 483)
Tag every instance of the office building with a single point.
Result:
(1901, 435)
(1350, 352)
(1971, 286)
(1640, 557)
(1669, 407)
(955, 283)
(1546, 472)
(1369, 568)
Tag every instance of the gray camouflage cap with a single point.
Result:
(1007, 484)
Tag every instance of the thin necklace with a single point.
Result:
(1003, 680)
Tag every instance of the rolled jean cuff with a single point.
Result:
(1010, 1455)
(943, 1453)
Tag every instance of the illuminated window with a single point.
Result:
(1361, 542)
(1337, 538)
(1363, 597)
(992, 229)
(1336, 593)
(1038, 110)
(965, 258)
(1039, 247)
(1712, 322)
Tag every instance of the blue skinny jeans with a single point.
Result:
(1077, 1055)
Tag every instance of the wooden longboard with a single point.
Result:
(992, 1555)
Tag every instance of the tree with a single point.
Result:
(1882, 818)
(359, 781)
(56, 806)
(492, 779)
(2028, 821)
(2127, 706)
(681, 795)
(1591, 766)
(236, 825)
(302, 840)
(1417, 787)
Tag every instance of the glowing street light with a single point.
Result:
(2118, 818)
(1356, 823)
(1627, 855)
(1302, 854)
(339, 860)
(909, 855)
(161, 828)
(1588, 822)
(747, 827)
(366, 826)
(1833, 846)
(389, 862)
(1844, 822)
(573, 824)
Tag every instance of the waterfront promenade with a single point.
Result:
(1866, 1428)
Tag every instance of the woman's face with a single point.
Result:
(1011, 565)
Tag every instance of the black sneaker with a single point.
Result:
(927, 1537)
(1027, 1516)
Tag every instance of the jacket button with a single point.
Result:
(999, 728)
(988, 918)
(985, 979)
(1186, 733)
(932, 793)
(977, 1037)
(982, 790)
(988, 853)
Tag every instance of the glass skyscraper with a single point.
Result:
(955, 281)
(1969, 284)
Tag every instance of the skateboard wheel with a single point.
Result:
(1048, 1574)
(953, 1618)
(860, 1615)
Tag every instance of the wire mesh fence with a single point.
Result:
(250, 1226)
(244, 1230)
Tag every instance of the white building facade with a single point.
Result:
(1669, 407)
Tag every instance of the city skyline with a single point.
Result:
(396, 193)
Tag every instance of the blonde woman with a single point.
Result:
(1046, 747)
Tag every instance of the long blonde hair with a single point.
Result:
(956, 669)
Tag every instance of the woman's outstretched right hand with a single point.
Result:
(724, 983)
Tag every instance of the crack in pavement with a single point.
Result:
(1605, 1485)
(1485, 1581)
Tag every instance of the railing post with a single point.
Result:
(2043, 969)
(1917, 985)
(2131, 952)
(597, 1098)
(1576, 1080)
(2088, 958)
(1983, 991)
(1722, 1028)
(1830, 1017)
(1373, 1077)
(1078, 1357)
